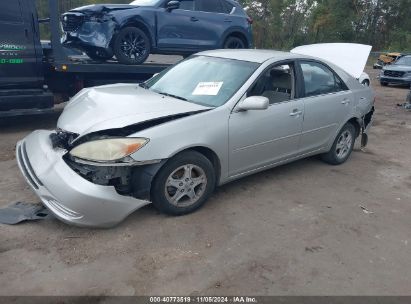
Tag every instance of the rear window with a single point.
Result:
(10, 12)
(226, 7)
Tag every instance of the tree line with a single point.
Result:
(284, 24)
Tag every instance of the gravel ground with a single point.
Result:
(293, 230)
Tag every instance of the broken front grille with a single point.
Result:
(393, 73)
(72, 22)
(62, 139)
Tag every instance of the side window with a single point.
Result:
(210, 6)
(226, 7)
(187, 5)
(10, 12)
(276, 83)
(319, 79)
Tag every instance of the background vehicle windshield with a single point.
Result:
(145, 2)
(204, 80)
(404, 61)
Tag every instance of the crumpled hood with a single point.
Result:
(99, 8)
(118, 106)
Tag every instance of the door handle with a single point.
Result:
(194, 19)
(296, 112)
(227, 20)
(345, 101)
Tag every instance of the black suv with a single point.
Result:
(131, 32)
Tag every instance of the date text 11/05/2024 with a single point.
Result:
(200, 299)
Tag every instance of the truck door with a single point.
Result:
(20, 49)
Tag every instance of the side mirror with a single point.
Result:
(254, 103)
(172, 5)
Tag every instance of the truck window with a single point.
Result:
(10, 12)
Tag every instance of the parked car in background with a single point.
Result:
(132, 32)
(397, 73)
(385, 59)
(365, 79)
(212, 118)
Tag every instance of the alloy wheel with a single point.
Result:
(344, 143)
(133, 46)
(185, 185)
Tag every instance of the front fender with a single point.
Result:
(146, 21)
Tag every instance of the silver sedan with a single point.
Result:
(211, 119)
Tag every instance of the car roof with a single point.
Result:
(251, 55)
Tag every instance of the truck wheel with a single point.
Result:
(131, 46)
(183, 184)
(233, 42)
(99, 54)
(342, 147)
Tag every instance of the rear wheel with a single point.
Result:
(183, 184)
(233, 42)
(131, 46)
(99, 54)
(342, 147)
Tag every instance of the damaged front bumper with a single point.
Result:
(65, 193)
(93, 34)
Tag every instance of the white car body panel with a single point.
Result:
(350, 57)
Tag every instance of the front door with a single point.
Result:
(179, 28)
(263, 137)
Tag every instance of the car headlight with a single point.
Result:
(108, 149)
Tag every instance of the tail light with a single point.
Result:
(250, 20)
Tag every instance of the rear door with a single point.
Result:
(327, 104)
(20, 65)
(214, 21)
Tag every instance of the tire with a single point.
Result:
(131, 46)
(233, 42)
(174, 190)
(366, 83)
(342, 146)
(99, 54)
(384, 84)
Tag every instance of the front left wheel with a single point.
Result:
(183, 184)
(131, 46)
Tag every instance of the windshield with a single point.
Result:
(145, 2)
(404, 61)
(204, 80)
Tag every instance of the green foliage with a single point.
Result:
(283, 24)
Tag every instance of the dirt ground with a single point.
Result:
(294, 230)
